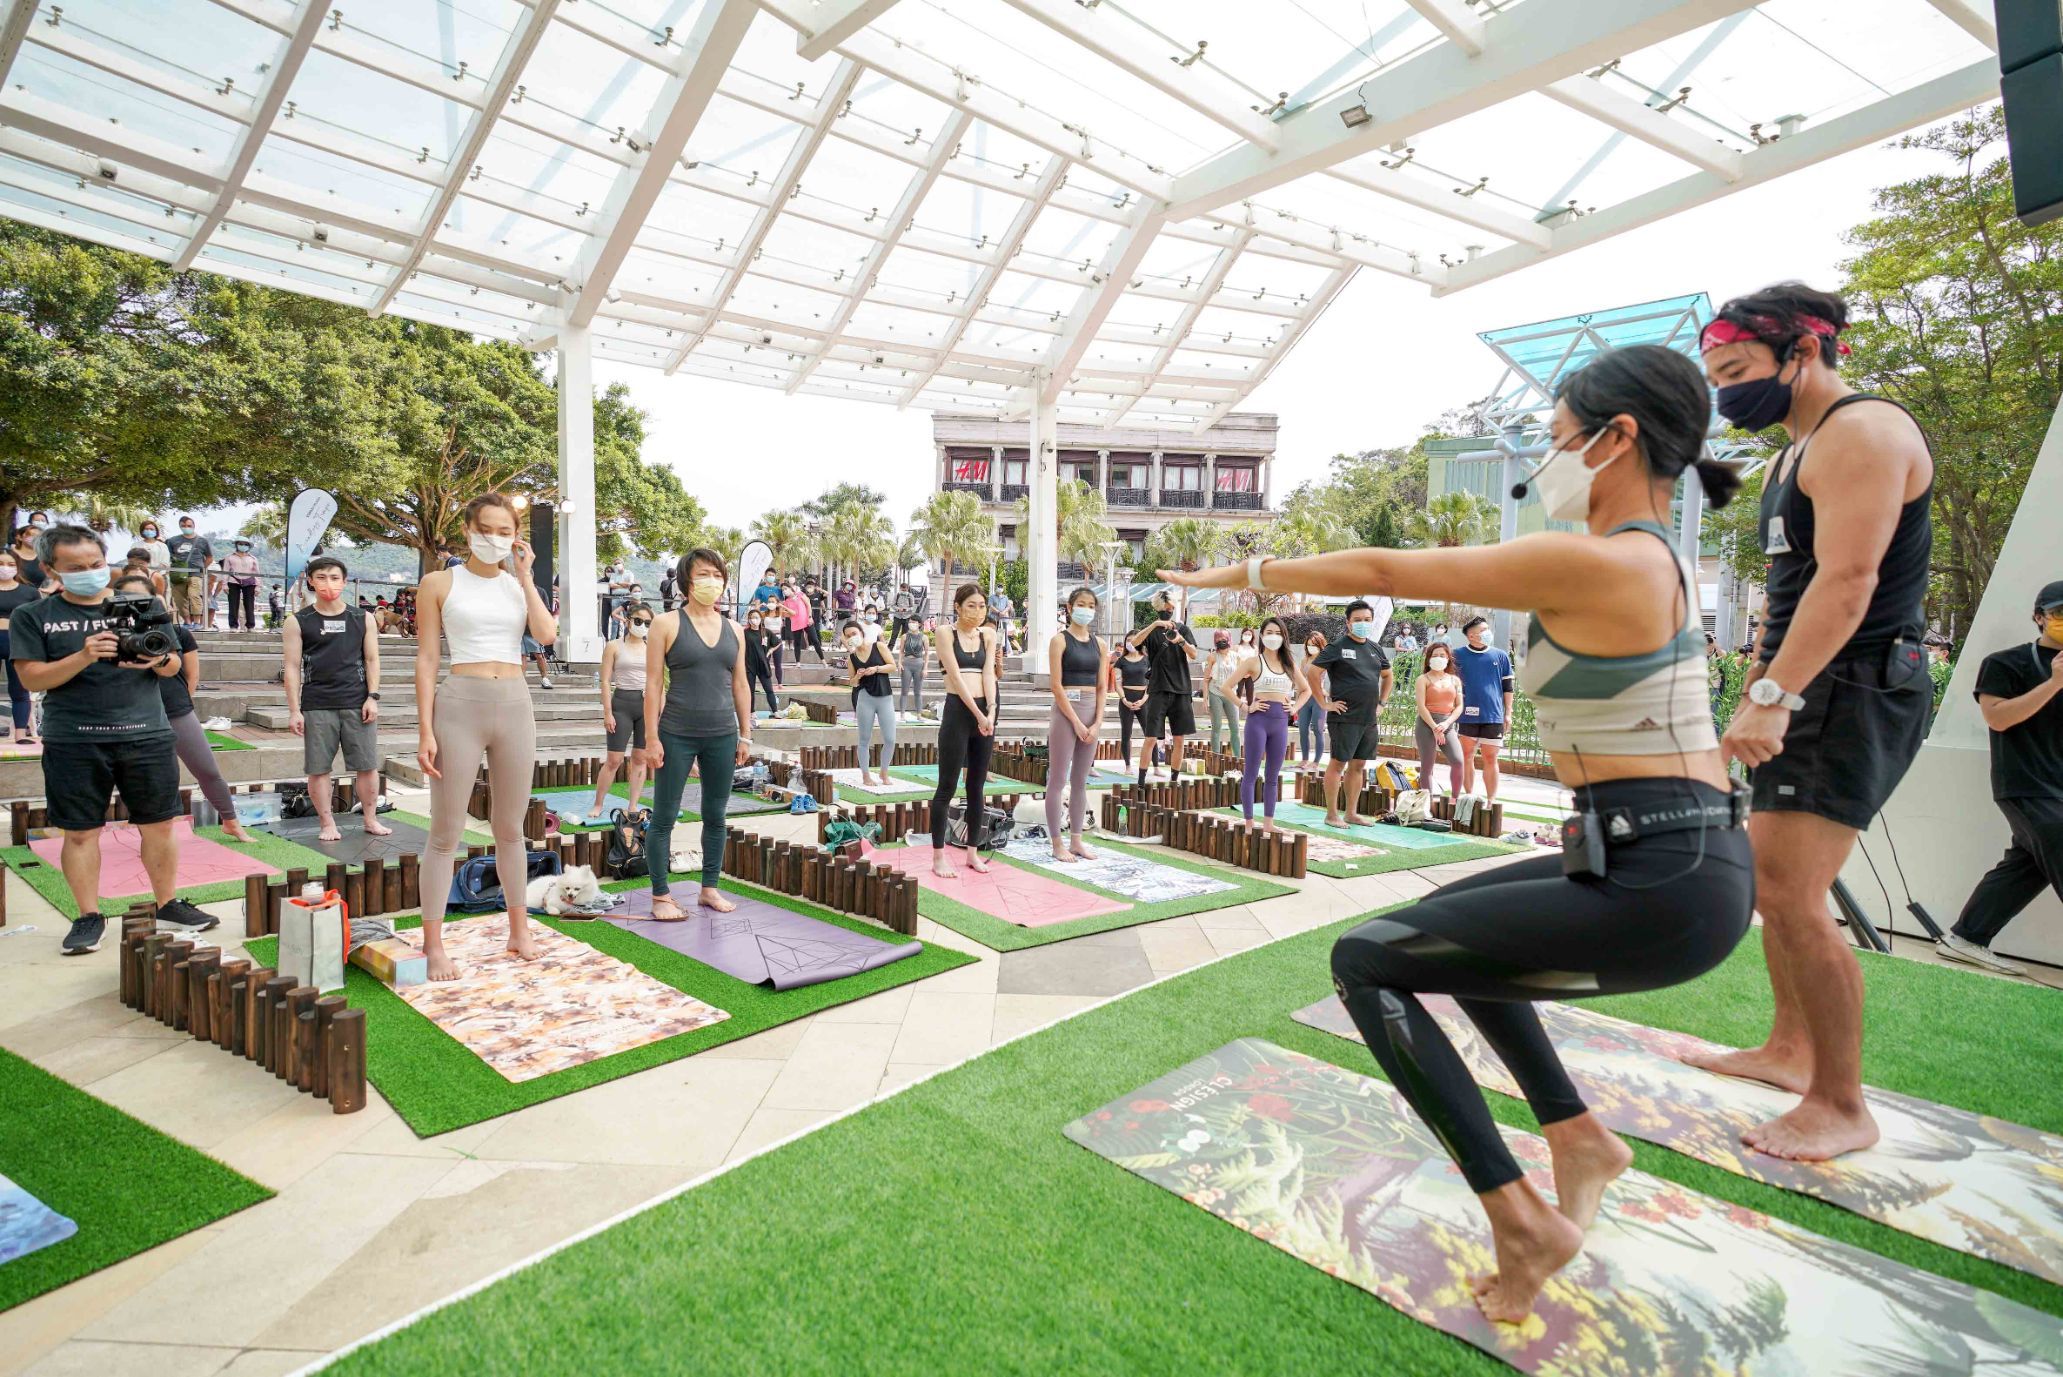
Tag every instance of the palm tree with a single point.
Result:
(1313, 529)
(727, 541)
(1184, 543)
(103, 515)
(952, 527)
(1454, 518)
(858, 539)
(787, 535)
(1080, 519)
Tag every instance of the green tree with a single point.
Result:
(952, 527)
(786, 534)
(840, 496)
(727, 541)
(858, 539)
(1455, 518)
(1080, 519)
(1735, 529)
(1187, 542)
(640, 507)
(1957, 313)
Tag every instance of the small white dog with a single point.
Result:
(577, 889)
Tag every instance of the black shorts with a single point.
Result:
(1351, 741)
(1168, 714)
(80, 780)
(629, 707)
(1482, 731)
(1850, 744)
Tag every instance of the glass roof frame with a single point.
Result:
(966, 207)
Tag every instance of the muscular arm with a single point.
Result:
(290, 666)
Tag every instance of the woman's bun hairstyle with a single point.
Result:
(1666, 394)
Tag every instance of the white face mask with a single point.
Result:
(489, 549)
(1272, 641)
(1565, 487)
(637, 628)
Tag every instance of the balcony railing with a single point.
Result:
(1071, 571)
(1013, 491)
(1128, 497)
(966, 485)
(1187, 498)
(1236, 501)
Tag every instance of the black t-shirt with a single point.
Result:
(1170, 661)
(2026, 759)
(21, 595)
(332, 658)
(102, 702)
(1353, 674)
(172, 688)
(190, 554)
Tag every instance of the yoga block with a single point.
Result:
(394, 961)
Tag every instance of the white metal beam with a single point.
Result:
(1973, 18)
(12, 33)
(1186, 322)
(515, 56)
(942, 151)
(1931, 100)
(1468, 210)
(1525, 47)
(1590, 96)
(1105, 33)
(786, 183)
(1020, 225)
(1327, 292)
(705, 57)
(1119, 263)
(1463, 29)
(834, 21)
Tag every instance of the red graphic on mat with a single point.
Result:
(1013, 895)
(201, 862)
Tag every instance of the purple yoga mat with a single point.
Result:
(760, 943)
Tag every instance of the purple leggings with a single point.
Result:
(1267, 731)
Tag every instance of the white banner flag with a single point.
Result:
(752, 567)
(307, 518)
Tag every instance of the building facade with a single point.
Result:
(1147, 477)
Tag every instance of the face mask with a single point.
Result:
(8, 572)
(1081, 616)
(490, 549)
(752, 623)
(2052, 627)
(150, 533)
(1271, 641)
(1758, 403)
(1565, 486)
(84, 583)
(706, 591)
(637, 628)
(1358, 630)
(1438, 666)
(852, 643)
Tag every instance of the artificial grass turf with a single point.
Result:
(1391, 858)
(1104, 1273)
(1002, 935)
(48, 880)
(436, 1085)
(223, 742)
(126, 1185)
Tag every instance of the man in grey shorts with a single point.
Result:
(333, 690)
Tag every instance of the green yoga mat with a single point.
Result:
(1345, 852)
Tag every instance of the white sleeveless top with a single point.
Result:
(484, 618)
(1271, 681)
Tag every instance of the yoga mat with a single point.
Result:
(739, 804)
(1135, 877)
(570, 1006)
(1005, 892)
(357, 847)
(1310, 819)
(1334, 1168)
(201, 862)
(14, 750)
(759, 943)
(927, 775)
(848, 782)
(1976, 1184)
(576, 802)
(27, 1224)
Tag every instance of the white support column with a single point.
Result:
(1103, 473)
(1153, 480)
(995, 492)
(1268, 482)
(1689, 534)
(1210, 482)
(580, 640)
(1507, 523)
(1041, 544)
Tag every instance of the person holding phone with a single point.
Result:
(1170, 694)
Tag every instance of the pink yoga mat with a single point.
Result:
(1013, 895)
(201, 862)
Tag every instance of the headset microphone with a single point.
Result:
(1518, 490)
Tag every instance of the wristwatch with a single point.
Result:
(1767, 693)
(374, 696)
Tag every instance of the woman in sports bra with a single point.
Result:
(1078, 664)
(623, 711)
(1655, 884)
(1439, 714)
(481, 709)
(1130, 672)
(1277, 695)
(966, 731)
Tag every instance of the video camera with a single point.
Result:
(142, 626)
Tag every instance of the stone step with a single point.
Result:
(277, 718)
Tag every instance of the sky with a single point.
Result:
(1383, 361)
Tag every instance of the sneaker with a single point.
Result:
(1953, 948)
(87, 930)
(185, 917)
(544, 681)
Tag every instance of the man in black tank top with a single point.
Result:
(1839, 696)
(333, 691)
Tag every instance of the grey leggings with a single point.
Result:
(1069, 759)
(192, 745)
(912, 696)
(875, 715)
(1224, 717)
(474, 718)
(1426, 748)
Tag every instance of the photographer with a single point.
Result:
(1170, 698)
(104, 725)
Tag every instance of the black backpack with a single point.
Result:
(476, 884)
(294, 801)
(623, 858)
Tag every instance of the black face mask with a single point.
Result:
(1758, 403)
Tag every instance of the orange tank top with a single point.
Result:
(1442, 692)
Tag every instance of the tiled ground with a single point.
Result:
(371, 1222)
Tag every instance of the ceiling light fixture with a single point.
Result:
(1357, 114)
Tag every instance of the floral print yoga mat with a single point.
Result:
(570, 1006)
(1966, 1181)
(27, 1224)
(1333, 1167)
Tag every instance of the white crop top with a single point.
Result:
(1270, 681)
(484, 618)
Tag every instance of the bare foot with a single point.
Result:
(1775, 1066)
(522, 943)
(943, 868)
(1331, 821)
(375, 828)
(976, 864)
(712, 898)
(1061, 853)
(1813, 1131)
(1587, 1158)
(1535, 1243)
(439, 964)
(330, 832)
(1084, 852)
(1353, 821)
(665, 910)
(234, 830)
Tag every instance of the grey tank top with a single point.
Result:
(698, 683)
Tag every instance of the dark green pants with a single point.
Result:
(718, 756)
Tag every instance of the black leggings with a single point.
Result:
(243, 606)
(758, 676)
(1127, 718)
(1500, 939)
(960, 743)
(806, 639)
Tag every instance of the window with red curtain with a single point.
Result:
(970, 470)
(1235, 480)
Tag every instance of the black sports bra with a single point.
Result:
(961, 653)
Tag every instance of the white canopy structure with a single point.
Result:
(1112, 211)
